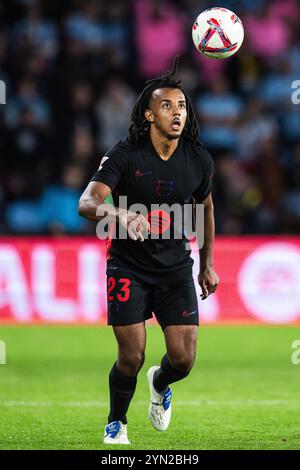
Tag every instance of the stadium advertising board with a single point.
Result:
(63, 281)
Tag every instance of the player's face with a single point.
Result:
(167, 112)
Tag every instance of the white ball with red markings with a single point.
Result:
(218, 33)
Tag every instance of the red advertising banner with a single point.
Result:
(63, 280)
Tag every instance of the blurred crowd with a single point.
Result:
(73, 70)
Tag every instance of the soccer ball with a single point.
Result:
(218, 33)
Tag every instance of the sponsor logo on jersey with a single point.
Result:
(159, 221)
(164, 187)
(140, 173)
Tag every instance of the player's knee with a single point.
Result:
(183, 362)
(132, 362)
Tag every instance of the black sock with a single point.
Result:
(121, 389)
(167, 375)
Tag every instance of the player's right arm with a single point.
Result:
(93, 197)
(92, 206)
(113, 167)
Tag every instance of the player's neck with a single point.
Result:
(163, 146)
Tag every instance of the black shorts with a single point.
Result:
(130, 301)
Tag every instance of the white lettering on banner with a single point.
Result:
(269, 281)
(65, 281)
(92, 292)
(49, 307)
(14, 291)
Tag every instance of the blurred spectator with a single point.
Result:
(81, 110)
(113, 111)
(39, 33)
(58, 204)
(219, 110)
(291, 199)
(55, 212)
(83, 150)
(160, 35)
(294, 52)
(24, 217)
(73, 70)
(235, 195)
(268, 34)
(189, 75)
(289, 9)
(275, 88)
(275, 91)
(256, 126)
(26, 142)
(27, 98)
(268, 171)
(116, 30)
(3, 52)
(84, 27)
(82, 145)
(98, 27)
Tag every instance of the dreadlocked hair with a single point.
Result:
(139, 126)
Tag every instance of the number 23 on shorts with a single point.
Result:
(123, 289)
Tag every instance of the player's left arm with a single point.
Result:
(208, 278)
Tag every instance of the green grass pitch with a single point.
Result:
(243, 393)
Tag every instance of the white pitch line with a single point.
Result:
(97, 404)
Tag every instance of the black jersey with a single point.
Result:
(145, 178)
